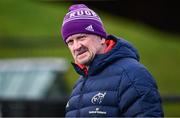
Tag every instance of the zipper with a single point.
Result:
(81, 96)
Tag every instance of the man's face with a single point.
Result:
(84, 47)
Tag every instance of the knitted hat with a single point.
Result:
(81, 19)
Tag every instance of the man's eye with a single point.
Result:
(82, 37)
(69, 42)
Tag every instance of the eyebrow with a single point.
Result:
(80, 36)
(77, 37)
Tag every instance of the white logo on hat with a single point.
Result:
(89, 28)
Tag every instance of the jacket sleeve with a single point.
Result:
(138, 94)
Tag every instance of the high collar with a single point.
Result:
(122, 49)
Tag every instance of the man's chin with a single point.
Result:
(83, 62)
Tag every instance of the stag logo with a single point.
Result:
(98, 98)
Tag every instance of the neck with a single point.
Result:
(103, 48)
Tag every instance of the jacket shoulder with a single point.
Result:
(137, 73)
(138, 91)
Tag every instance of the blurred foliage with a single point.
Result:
(30, 28)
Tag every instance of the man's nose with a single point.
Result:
(77, 45)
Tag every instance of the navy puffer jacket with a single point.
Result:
(117, 85)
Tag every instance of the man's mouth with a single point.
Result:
(81, 52)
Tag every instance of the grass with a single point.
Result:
(29, 28)
(171, 110)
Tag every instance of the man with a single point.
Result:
(112, 82)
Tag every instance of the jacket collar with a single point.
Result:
(121, 49)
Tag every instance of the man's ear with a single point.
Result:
(103, 40)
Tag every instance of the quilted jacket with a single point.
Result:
(116, 85)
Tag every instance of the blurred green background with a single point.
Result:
(30, 28)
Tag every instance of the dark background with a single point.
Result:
(163, 15)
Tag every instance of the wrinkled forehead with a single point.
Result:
(77, 36)
(74, 36)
